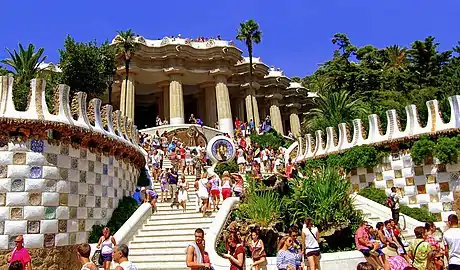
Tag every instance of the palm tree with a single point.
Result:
(25, 62)
(249, 33)
(126, 43)
(395, 57)
(334, 108)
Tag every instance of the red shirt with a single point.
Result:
(237, 124)
(243, 143)
(238, 250)
(21, 255)
(182, 153)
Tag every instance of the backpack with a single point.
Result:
(390, 202)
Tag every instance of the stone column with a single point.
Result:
(240, 108)
(275, 115)
(294, 121)
(176, 100)
(248, 102)
(211, 106)
(127, 98)
(166, 103)
(201, 106)
(224, 112)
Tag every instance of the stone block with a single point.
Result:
(34, 185)
(74, 152)
(82, 200)
(35, 199)
(82, 177)
(64, 161)
(97, 190)
(82, 188)
(62, 212)
(72, 212)
(97, 213)
(34, 212)
(104, 202)
(435, 207)
(105, 180)
(49, 226)
(17, 199)
(74, 175)
(82, 237)
(90, 166)
(15, 227)
(90, 190)
(33, 226)
(50, 186)
(73, 187)
(83, 165)
(72, 238)
(63, 186)
(50, 199)
(49, 240)
(50, 172)
(6, 157)
(446, 196)
(89, 225)
(105, 159)
(90, 213)
(423, 198)
(91, 178)
(19, 158)
(2, 199)
(90, 156)
(62, 239)
(3, 171)
(2, 226)
(17, 185)
(72, 225)
(50, 148)
(33, 240)
(63, 174)
(110, 192)
(81, 225)
(82, 213)
(73, 200)
(17, 147)
(98, 167)
(5, 212)
(64, 149)
(5, 185)
(3, 242)
(90, 201)
(35, 159)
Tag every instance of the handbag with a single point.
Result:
(97, 258)
(258, 253)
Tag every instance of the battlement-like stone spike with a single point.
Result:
(374, 130)
(320, 150)
(308, 146)
(82, 120)
(6, 89)
(61, 109)
(357, 133)
(129, 129)
(300, 153)
(454, 102)
(412, 123)
(436, 120)
(330, 142)
(95, 105)
(135, 137)
(123, 125)
(344, 141)
(116, 117)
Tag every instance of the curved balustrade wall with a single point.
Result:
(61, 172)
(314, 146)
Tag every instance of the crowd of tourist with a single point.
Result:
(384, 247)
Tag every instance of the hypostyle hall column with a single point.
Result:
(252, 108)
(224, 111)
(127, 97)
(166, 102)
(211, 105)
(176, 100)
(294, 120)
(275, 115)
(248, 101)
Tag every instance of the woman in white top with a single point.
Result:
(203, 192)
(182, 194)
(106, 244)
(189, 162)
(310, 243)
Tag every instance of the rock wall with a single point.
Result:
(432, 186)
(48, 258)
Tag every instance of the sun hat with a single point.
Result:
(143, 189)
(390, 251)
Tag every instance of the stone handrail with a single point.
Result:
(310, 147)
(208, 132)
(131, 226)
(93, 127)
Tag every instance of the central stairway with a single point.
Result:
(162, 241)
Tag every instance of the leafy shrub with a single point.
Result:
(262, 209)
(379, 196)
(422, 149)
(143, 179)
(126, 207)
(231, 167)
(374, 194)
(358, 157)
(324, 197)
(272, 138)
(446, 150)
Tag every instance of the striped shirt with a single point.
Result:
(286, 257)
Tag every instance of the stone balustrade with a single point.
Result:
(62, 171)
(315, 146)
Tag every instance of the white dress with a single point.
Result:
(241, 159)
(202, 190)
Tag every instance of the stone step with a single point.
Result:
(158, 251)
(149, 258)
(165, 265)
(174, 211)
(172, 215)
(183, 226)
(198, 220)
(166, 232)
(163, 239)
(158, 245)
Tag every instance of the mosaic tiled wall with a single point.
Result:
(431, 185)
(54, 194)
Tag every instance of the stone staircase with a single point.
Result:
(162, 241)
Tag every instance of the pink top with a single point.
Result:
(20, 255)
(397, 263)
(361, 233)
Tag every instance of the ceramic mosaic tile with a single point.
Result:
(3, 171)
(33, 227)
(51, 158)
(36, 172)
(64, 150)
(37, 146)
(19, 158)
(49, 240)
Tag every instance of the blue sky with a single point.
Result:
(296, 34)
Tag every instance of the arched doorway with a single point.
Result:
(145, 115)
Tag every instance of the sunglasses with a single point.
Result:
(439, 258)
